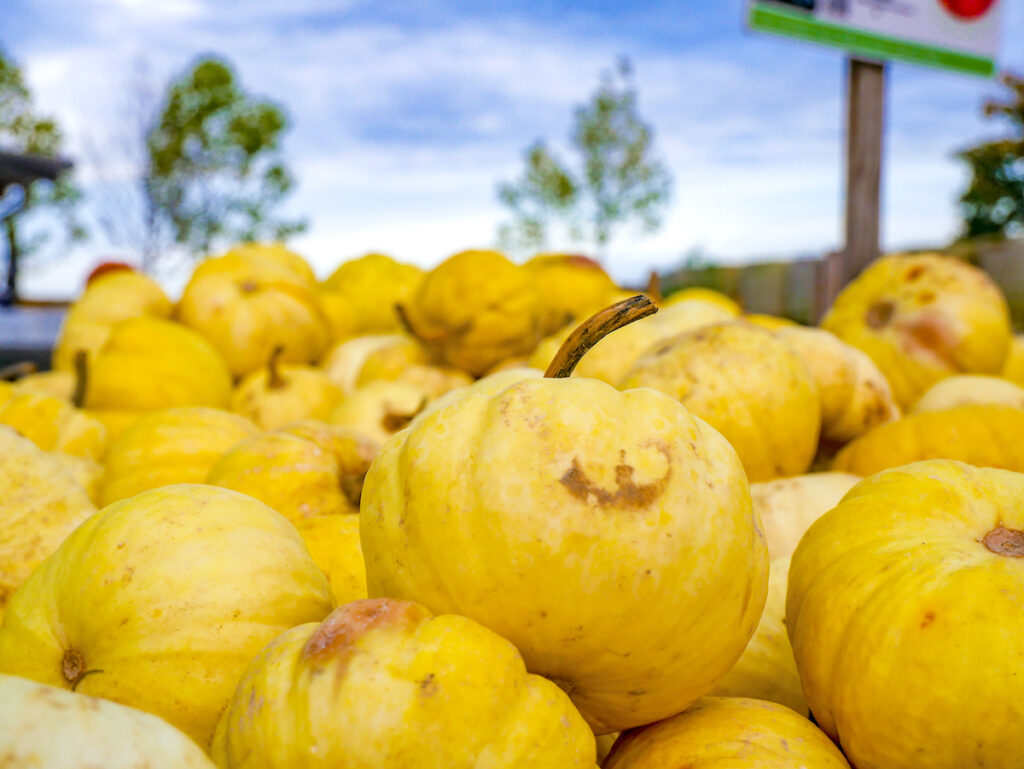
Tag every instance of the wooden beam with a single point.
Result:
(865, 104)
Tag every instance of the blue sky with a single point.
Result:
(407, 114)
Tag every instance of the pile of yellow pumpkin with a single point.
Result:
(499, 515)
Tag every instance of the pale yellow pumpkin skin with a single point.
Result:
(160, 601)
(106, 301)
(44, 726)
(581, 518)
(42, 504)
(906, 624)
(293, 393)
(380, 409)
(788, 506)
(247, 308)
(767, 669)
(571, 287)
(369, 287)
(304, 470)
(53, 424)
(855, 395)
(923, 317)
(728, 733)
(172, 446)
(149, 364)
(333, 541)
(383, 684)
(969, 388)
(747, 384)
(981, 434)
(475, 309)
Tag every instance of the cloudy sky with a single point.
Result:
(407, 113)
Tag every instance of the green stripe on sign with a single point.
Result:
(795, 24)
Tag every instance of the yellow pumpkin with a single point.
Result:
(767, 669)
(490, 385)
(571, 287)
(149, 364)
(969, 388)
(788, 506)
(904, 613)
(59, 384)
(923, 317)
(613, 356)
(380, 409)
(272, 261)
(386, 355)
(249, 308)
(107, 300)
(283, 393)
(172, 446)
(1013, 368)
(770, 322)
(87, 473)
(747, 384)
(333, 541)
(369, 288)
(474, 309)
(986, 435)
(44, 726)
(160, 601)
(704, 295)
(855, 395)
(384, 684)
(304, 470)
(42, 504)
(115, 421)
(573, 509)
(728, 733)
(53, 424)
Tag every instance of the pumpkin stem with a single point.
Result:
(274, 379)
(73, 668)
(594, 329)
(18, 370)
(81, 378)
(654, 287)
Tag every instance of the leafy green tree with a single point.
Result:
(23, 130)
(993, 203)
(214, 163)
(616, 179)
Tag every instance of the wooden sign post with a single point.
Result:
(952, 35)
(865, 106)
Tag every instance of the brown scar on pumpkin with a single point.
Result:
(337, 635)
(879, 314)
(929, 618)
(628, 494)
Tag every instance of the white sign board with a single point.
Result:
(961, 35)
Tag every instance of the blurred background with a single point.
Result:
(422, 128)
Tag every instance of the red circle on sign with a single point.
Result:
(968, 9)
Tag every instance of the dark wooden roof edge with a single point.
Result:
(24, 169)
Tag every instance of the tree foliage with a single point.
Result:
(24, 130)
(615, 180)
(214, 163)
(993, 203)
